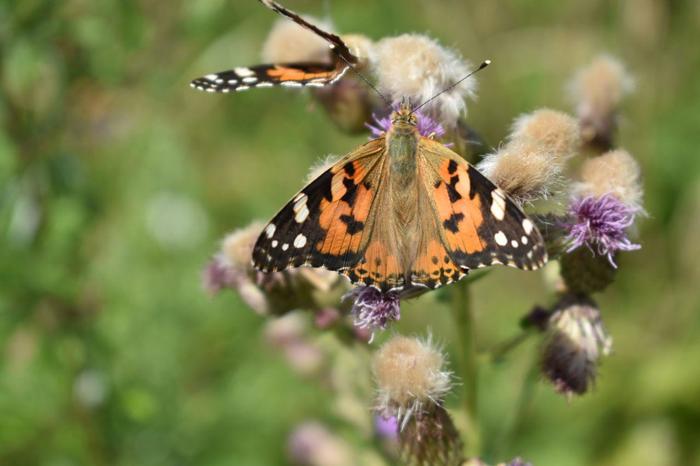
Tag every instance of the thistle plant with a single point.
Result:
(587, 222)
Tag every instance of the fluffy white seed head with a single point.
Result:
(288, 42)
(237, 246)
(599, 87)
(615, 172)
(361, 46)
(418, 67)
(530, 164)
(321, 166)
(409, 373)
(597, 91)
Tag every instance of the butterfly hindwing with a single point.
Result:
(328, 222)
(479, 224)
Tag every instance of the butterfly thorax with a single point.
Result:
(402, 149)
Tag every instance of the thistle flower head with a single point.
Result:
(597, 90)
(575, 342)
(431, 438)
(287, 42)
(417, 67)
(530, 164)
(373, 309)
(410, 376)
(615, 172)
(601, 223)
(426, 125)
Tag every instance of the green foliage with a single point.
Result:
(117, 180)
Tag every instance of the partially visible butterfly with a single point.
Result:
(398, 211)
(285, 74)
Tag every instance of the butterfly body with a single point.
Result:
(401, 210)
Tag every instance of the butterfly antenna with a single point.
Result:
(367, 81)
(483, 65)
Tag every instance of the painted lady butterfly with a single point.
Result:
(398, 211)
(287, 74)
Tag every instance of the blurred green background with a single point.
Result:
(117, 181)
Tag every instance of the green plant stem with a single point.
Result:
(466, 332)
(521, 408)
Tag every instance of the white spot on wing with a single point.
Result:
(291, 84)
(524, 240)
(514, 243)
(233, 81)
(264, 84)
(299, 241)
(498, 204)
(302, 214)
(242, 88)
(275, 243)
(270, 230)
(211, 77)
(500, 238)
(243, 72)
(285, 246)
(250, 79)
(527, 226)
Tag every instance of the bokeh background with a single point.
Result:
(117, 181)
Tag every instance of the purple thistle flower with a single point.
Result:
(600, 224)
(386, 427)
(373, 309)
(518, 462)
(217, 276)
(426, 125)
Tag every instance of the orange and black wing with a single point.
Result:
(479, 224)
(287, 75)
(329, 222)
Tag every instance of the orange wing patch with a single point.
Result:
(286, 73)
(460, 215)
(434, 266)
(379, 267)
(345, 216)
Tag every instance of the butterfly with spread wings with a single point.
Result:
(401, 210)
(305, 74)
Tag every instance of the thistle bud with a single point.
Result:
(598, 90)
(372, 309)
(530, 164)
(410, 377)
(418, 67)
(574, 343)
(430, 438)
(287, 42)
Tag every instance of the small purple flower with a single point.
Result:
(518, 462)
(426, 125)
(216, 276)
(373, 309)
(600, 224)
(386, 427)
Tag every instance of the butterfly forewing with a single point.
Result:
(328, 223)
(479, 224)
(288, 75)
